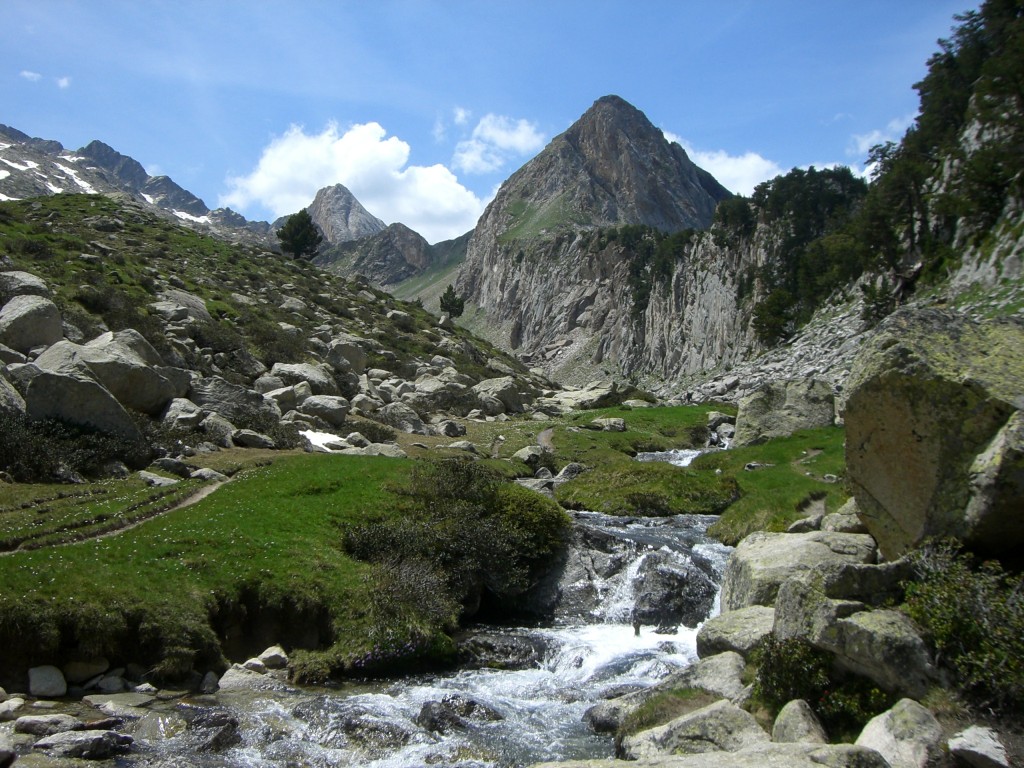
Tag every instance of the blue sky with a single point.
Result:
(422, 107)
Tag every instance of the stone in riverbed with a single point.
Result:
(274, 657)
(9, 707)
(91, 745)
(46, 682)
(796, 722)
(907, 736)
(718, 727)
(766, 755)
(46, 725)
(979, 747)
(740, 631)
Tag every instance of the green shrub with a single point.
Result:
(794, 669)
(46, 450)
(973, 615)
(479, 532)
(220, 336)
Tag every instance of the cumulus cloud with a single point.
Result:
(373, 166)
(495, 140)
(32, 77)
(737, 173)
(861, 143)
(63, 82)
(461, 116)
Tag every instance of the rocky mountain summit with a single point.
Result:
(340, 216)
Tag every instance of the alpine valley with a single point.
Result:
(704, 479)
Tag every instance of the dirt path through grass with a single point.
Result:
(196, 497)
(188, 501)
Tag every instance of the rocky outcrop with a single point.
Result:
(78, 400)
(89, 745)
(763, 561)
(124, 363)
(29, 321)
(934, 436)
(766, 755)
(779, 409)
(740, 631)
(796, 722)
(979, 747)
(719, 727)
(907, 736)
(384, 258)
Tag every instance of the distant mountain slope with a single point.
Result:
(30, 167)
(393, 256)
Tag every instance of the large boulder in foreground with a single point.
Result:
(778, 409)
(718, 727)
(78, 400)
(765, 755)
(934, 436)
(763, 561)
(123, 362)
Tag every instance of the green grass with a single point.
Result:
(793, 472)
(273, 533)
(530, 221)
(62, 515)
(650, 489)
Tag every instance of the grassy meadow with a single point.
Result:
(172, 586)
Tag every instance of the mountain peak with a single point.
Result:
(611, 167)
(341, 217)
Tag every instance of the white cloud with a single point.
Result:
(737, 173)
(439, 131)
(861, 143)
(32, 77)
(461, 116)
(495, 140)
(63, 82)
(294, 166)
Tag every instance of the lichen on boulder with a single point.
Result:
(932, 431)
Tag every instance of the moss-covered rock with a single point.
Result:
(929, 431)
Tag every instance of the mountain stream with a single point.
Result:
(611, 633)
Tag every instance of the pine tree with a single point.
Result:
(452, 303)
(300, 236)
